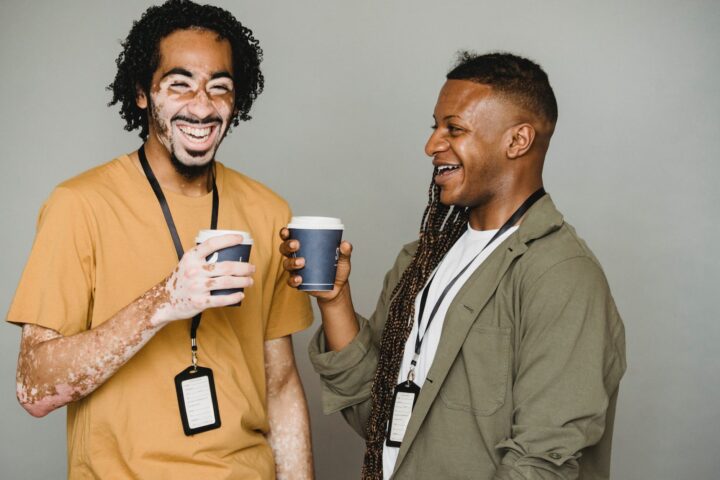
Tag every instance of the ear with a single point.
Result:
(140, 98)
(521, 139)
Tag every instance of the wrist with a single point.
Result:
(342, 298)
(155, 305)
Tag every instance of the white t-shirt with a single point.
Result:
(465, 249)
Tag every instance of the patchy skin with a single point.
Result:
(54, 370)
(79, 366)
(289, 435)
(179, 100)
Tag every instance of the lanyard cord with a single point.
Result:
(173, 232)
(514, 218)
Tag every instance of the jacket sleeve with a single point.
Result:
(347, 375)
(571, 356)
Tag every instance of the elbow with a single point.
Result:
(38, 408)
(35, 410)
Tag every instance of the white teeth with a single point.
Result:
(197, 133)
(446, 168)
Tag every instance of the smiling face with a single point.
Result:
(469, 143)
(191, 96)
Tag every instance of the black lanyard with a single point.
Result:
(514, 218)
(173, 232)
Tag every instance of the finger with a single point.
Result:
(288, 247)
(284, 233)
(216, 243)
(294, 281)
(346, 248)
(219, 269)
(214, 301)
(230, 281)
(290, 263)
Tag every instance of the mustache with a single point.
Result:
(196, 120)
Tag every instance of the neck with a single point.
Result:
(492, 214)
(169, 178)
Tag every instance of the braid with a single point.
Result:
(440, 228)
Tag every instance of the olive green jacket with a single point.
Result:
(525, 378)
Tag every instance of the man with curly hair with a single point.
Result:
(106, 307)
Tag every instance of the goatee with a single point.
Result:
(190, 172)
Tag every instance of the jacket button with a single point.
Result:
(555, 456)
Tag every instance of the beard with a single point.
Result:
(190, 172)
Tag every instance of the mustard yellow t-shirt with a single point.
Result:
(101, 242)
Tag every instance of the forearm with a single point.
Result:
(289, 435)
(338, 318)
(54, 370)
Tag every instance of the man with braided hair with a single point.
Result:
(111, 321)
(495, 350)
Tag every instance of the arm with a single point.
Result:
(345, 350)
(289, 434)
(54, 370)
(336, 307)
(567, 370)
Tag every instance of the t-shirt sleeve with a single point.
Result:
(290, 311)
(55, 290)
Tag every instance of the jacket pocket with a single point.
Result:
(477, 381)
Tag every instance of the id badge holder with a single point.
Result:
(401, 408)
(195, 387)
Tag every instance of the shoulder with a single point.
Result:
(563, 258)
(83, 190)
(239, 187)
(99, 183)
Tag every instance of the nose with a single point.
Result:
(435, 144)
(201, 106)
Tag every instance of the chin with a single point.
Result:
(193, 160)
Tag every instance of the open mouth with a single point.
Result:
(197, 134)
(446, 169)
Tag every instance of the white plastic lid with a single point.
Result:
(205, 234)
(316, 223)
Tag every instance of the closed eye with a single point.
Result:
(453, 130)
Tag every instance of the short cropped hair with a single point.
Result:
(140, 57)
(520, 80)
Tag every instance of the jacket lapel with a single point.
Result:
(542, 218)
(461, 314)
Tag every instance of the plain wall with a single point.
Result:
(340, 130)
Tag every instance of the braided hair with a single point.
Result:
(440, 228)
(524, 83)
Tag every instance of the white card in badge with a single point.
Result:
(197, 400)
(401, 408)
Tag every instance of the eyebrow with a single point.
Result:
(222, 74)
(177, 71)
(187, 73)
(448, 117)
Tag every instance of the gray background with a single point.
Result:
(340, 131)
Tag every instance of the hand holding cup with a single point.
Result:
(327, 259)
(192, 285)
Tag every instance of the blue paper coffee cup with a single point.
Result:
(320, 247)
(236, 253)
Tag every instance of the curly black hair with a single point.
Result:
(140, 57)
